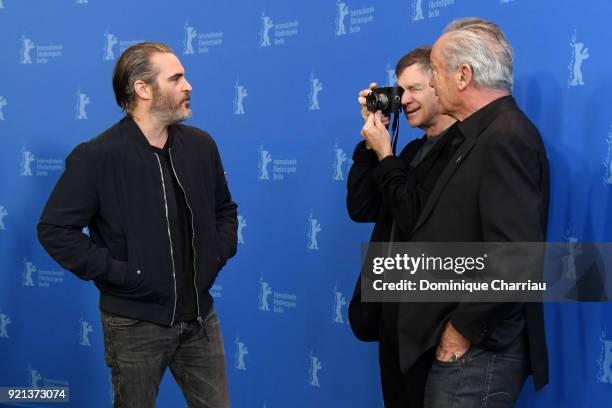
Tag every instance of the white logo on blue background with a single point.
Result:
(272, 33)
(110, 40)
(339, 303)
(313, 371)
(608, 162)
(45, 277)
(43, 52)
(190, 35)
(33, 377)
(340, 158)
(27, 45)
(3, 103)
(432, 10)
(27, 158)
(280, 301)
(579, 54)
(605, 361)
(28, 269)
(5, 320)
(264, 293)
(239, 95)
(314, 227)
(82, 1)
(194, 43)
(3, 213)
(241, 225)
(43, 166)
(241, 352)
(357, 18)
(417, 10)
(265, 158)
(391, 77)
(85, 328)
(82, 101)
(281, 168)
(266, 25)
(343, 11)
(315, 87)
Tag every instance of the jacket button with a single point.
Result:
(138, 272)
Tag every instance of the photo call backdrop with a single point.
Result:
(275, 82)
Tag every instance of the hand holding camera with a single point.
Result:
(362, 99)
(376, 106)
(377, 136)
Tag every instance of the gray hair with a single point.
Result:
(483, 46)
(463, 22)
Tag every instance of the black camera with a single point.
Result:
(385, 99)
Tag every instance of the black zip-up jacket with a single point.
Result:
(113, 184)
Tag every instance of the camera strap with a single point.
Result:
(395, 132)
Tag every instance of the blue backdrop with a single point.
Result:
(275, 82)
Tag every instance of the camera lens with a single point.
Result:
(377, 101)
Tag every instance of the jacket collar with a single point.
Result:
(471, 128)
(478, 121)
(132, 133)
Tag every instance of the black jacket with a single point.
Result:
(113, 185)
(494, 189)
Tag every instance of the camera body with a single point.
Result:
(386, 99)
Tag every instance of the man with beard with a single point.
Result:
(390, 191)
(162, 224)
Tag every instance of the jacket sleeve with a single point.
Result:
(399, 191)
(71, 206)
(363, 200)
(226, 215)
(513, 208)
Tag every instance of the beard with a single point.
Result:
(169, 111)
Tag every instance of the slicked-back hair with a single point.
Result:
(135, 64)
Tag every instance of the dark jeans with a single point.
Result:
(139, 352)
(479, 379)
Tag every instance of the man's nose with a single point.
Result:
(406, 98)
(187, 87)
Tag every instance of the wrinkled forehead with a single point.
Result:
(436, 50)
(415, 74)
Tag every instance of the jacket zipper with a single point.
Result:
(195, 272)
(169, 236)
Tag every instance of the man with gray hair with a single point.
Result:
(495, 189)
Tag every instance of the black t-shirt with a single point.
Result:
(179, 218)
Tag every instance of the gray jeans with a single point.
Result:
(139, 352)
(479, 379)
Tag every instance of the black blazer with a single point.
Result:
(493, 189)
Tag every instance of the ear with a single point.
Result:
(464, 76)
(143, 90)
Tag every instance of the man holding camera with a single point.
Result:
(493, 188)
(390, 191)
